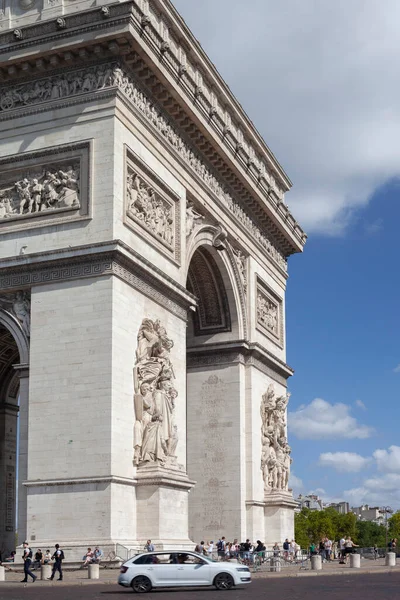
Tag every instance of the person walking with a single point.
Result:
(27, 558)
(58, 557)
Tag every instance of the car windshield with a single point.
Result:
(207, 558)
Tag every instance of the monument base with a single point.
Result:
(278, 516)
(162, 505)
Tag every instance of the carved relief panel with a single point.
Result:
(152, 208)
(44, 187)
(269, 313)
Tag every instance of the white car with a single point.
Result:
(180, 569)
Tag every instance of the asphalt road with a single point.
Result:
(366, 587)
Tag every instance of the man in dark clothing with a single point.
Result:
(27, 558)
(58, 557)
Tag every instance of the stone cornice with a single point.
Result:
(101, 259)
(132, 28)
(79, 481)
(240, 351)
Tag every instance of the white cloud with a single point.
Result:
(376, 491)
(397, 369)
(360, 404)
(388, 461)
(347, 462)
(318, 81)
(322, 420)
(295, 483)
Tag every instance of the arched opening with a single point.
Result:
(215, 381)
(9, 395)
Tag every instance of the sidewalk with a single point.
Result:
(329, 568)
(110, 576)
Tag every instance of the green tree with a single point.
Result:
(313, 525)
(394, 526)
(370, 534)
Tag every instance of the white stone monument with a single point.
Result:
(144, 239)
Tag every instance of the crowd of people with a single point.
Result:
(33, 562)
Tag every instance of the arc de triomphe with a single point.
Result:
(144, 239)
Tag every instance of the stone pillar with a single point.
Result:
(8, 467)
(390, 559)
(45, 572)
(160, 492)
(2, 574)
(355, 561)
(275, 564)
(216, 448)
(93, 571)
(316, 563)
(23, 371)
(279, 515)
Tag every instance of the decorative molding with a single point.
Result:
(240, 352)
(47, 186)
(269, 312)
(152, 209)
(79, 481)
(110, 75)
(97, 265)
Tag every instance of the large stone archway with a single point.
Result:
(14, 357)
(153, 271)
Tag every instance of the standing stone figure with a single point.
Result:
(275, 451)
(21, 308)
(155, 432)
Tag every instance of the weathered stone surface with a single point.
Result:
(142, 284)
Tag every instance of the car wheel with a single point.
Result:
(141, 584)
(223, 581)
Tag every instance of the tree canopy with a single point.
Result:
(312, 525)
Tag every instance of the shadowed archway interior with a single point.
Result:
(206, 283)
(9, 391)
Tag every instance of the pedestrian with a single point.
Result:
(342, 550)
(286, 549)
(38, 560)
(276, 549)
(27, 558)
(200, 548)
(97, 555)
(58, 557)
(47, 557)
(328, 549)
(210, 548)
(349, 547)
(221, 548)
(87, 558)
(149, 547)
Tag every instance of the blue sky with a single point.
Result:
(318, 81)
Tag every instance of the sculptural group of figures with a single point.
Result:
(267, 313)
(58, 86)
(155, 432)
(275, 457)
(47, 190)
(146, 205)
(19, 305)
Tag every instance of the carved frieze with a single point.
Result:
(155, 432)
(275, 451)
(44, 186)
(151, 207)
(102, 77)
(269, 312)
(19, 305)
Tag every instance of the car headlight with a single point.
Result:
(243, 569)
